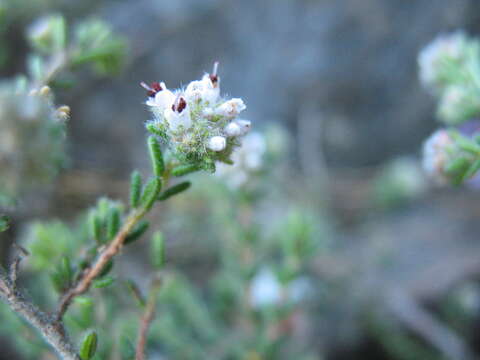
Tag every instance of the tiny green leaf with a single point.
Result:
(95, 226)
(150, 193)
(156, 156)
(108, 267)
(137, 232)
(89, 346)
(103, 282)
(458, 165)
(135, 189)
(174, 190)
(158, 250)
(3, 223)
(184, 169)
(472, 170)
(135, 292)
(150, 126)
(84, 300)
(63, 275)
(113, 222)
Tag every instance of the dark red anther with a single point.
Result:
(153, 89)
(182, 104)
(179, 105)
(214, 78)
(156, 86)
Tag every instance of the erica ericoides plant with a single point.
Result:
(193, 129)
(449, 68)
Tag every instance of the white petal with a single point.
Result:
(217, 143)
(231, 108)
(233, 129)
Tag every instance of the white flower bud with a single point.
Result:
(432, 59)
(217, 143)
(435, 155)
(233, 129)
(178, 115)
(245, 126)
(231, 108)
(194, 91)
(265, 289)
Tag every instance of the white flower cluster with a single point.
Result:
(436, 58)
(247, 160)
(198, 125)
(436, 155)
(457, 104)
(31, 140)
(266, 289)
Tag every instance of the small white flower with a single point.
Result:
(178, 115)
(435, 155)
(245, 126)
(233, 129)
(231, 108)
(211, 88)
(457, 104)
(194, 91)
(160, 96)
(265, 289)
(432, 58)
(206, 90)
(217, 143)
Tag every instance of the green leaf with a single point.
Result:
(136, 293)
(137, 232)
(4, 223)
(89, 346)
(150, 193)
(174, 190)
(135, 189)
(103, 282)
(465, 143)
(95, 225)
(184, 169)
(108, 267)
(158, 250)
(472, 170)
(113, 222)
(62, 277)
(84, 300)
(154, 129)
(457, 166)
(156, 156)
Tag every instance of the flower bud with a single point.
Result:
(233, 129)
(245, 126)
(436, 58)
(231, 108)
(217, 143)
(436, 156)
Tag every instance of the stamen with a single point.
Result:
(182, 104)
(213, 76)
(156, 86)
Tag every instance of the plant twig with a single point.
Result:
(113, 248)
(147, 319)
(52, 331)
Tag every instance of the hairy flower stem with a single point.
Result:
(105, 256)
(52, 331)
